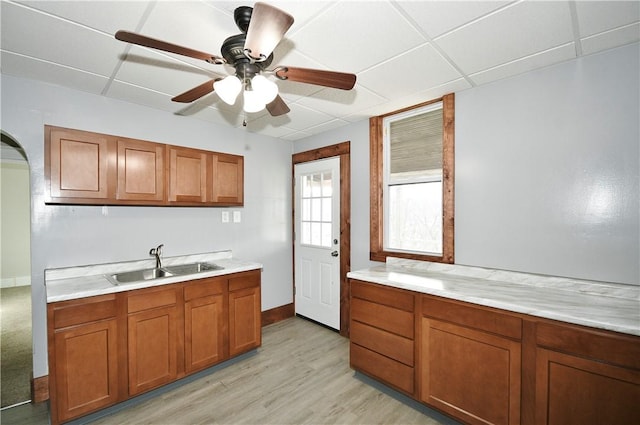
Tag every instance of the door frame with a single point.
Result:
(343, 150)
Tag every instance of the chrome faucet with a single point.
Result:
(157, 252)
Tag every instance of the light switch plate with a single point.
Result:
(225, 216)
(237, 216)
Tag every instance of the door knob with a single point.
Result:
(334, 254)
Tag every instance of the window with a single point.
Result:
(412, 182)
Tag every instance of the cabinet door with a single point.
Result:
(76, 164)
(152, 338)
(574, 390)
(245, 325)
(227, 179)
(187, 175)
(140, 171)
(86, 368)
(472, 375)
(204, 323)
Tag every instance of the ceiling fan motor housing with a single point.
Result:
(233, 51)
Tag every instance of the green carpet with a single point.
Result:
(15, 345)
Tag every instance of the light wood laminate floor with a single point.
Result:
(300, 375)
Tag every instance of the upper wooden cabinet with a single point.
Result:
(99, 169)
(77, 165)
(140, 171)
(187, 170)
(227, 179)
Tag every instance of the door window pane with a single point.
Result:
(316, 207)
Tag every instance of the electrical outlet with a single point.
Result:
(225, 216)
(237, 216)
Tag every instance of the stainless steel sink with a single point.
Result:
(192, 268)
(138, 275)
(157, 273)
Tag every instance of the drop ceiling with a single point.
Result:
(403, 52)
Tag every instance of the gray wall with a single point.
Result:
(547, 171)
(78, 235)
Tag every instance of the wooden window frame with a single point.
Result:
(377, 251)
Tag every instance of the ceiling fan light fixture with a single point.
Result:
(228, 89)
(253, 101)
(267, 90)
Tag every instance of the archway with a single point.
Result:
(15, 274)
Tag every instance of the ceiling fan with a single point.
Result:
(250, 53)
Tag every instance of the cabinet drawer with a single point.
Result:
(204, 287)
(473, 317)
(610, 347)
(390, 371)
(383, 317)
(148, 299)
(388, 344)
(397, 298)
(244, 280)
(75, 312)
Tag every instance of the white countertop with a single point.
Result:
(610, 306)
(87, 281)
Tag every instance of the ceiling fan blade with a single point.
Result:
(195, 93)
(266, 29)
(338, 80)
(141, 40)
(277, 107)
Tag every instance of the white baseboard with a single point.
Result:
(9, 282)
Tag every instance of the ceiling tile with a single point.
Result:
(337, 103)
(191, 24)
(410, 100)
(416, 70)
(25, 67)
(330, 125)
(97, 14)
(302, 11)
(141, 96)
(350, 36)
(301, 117)
(609, 39)
(598, 16)
(34, 34)
(513, 32)
(229, 116)
(438, 17)
(538, 60)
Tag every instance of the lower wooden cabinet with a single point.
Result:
(244, 313)
(586, 377)
(108, 348)
(482, 365)
(83, 356)
(472, 375)
(470, 361)
(205, 326)
(152, 333)
(382, 334)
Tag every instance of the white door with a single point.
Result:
(317, 241)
